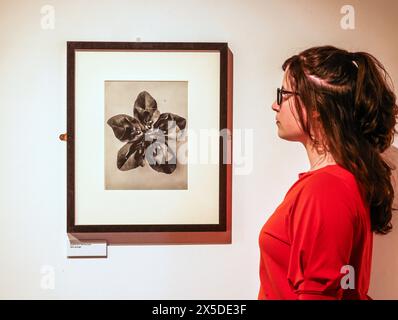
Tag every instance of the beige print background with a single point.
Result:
(171, 96)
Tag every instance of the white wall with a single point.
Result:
(261, 35)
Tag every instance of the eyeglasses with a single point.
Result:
(280, 92)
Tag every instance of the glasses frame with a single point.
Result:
(280, 92)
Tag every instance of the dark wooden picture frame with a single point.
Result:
(158, 233)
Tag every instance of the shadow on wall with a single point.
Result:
(384, 279)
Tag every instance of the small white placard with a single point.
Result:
(87, 249)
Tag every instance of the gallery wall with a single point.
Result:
(261, 35)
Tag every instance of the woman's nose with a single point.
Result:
(275, 106)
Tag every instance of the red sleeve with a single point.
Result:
(321, 230)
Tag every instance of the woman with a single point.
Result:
(318, 242)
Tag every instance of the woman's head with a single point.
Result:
(344, 104)
(289, 127)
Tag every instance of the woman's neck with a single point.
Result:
(317, 160)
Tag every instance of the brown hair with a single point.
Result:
(353, 98)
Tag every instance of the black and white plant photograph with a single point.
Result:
(145, 130)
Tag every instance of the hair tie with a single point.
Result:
(353, 57)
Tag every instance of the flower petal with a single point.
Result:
(161, 157)
(130, 156)
(125, 127)
(145, 108)
(169, 120)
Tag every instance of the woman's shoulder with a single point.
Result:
(332, 190)
(332, 182)
(331, 176)
(320, 180)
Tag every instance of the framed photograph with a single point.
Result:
(149, 142)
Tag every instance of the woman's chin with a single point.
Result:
(287, 137)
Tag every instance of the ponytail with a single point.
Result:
(375, 102)
(375, 113)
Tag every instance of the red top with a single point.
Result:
(322, 225)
